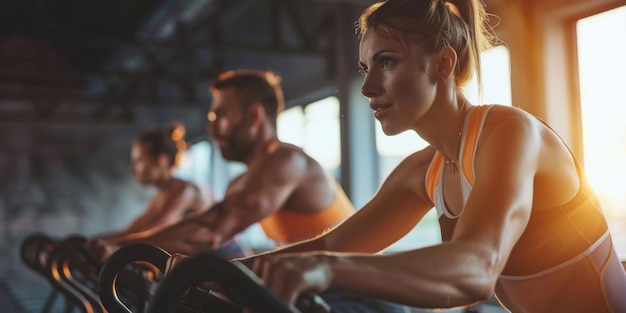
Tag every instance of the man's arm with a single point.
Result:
(259, 192)
(180, 199)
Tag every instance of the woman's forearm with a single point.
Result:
(433, 277)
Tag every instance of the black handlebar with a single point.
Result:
(238, 282)
(119, 260)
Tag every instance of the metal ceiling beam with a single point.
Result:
(118, 87)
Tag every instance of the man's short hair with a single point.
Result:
(253, 86)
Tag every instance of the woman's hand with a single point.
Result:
(288, 275)
(173, 261)
(101, 248)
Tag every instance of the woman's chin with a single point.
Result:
(389, 130)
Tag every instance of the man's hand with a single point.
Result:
(189, 236)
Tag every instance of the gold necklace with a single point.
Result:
(452, 163)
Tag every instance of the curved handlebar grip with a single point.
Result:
(30, 252)
(238, 282)
(116, 262)
(59, 267)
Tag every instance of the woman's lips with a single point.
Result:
(380, 110)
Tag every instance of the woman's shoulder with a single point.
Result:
(185, 187)
(508, 119)
(199, 192)
(511, 129)
(421, 157)
(500, 113)
(416, 164)
(181, 184)
(410, 174)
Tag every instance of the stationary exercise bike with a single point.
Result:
(185, 289)
(67, 265)
(72, 270)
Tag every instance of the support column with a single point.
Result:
(360, 165)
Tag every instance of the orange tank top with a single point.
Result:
(288, 226)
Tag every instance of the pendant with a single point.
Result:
(452, 166)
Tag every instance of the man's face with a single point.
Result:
(230, 125)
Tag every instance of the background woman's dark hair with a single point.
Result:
(434, 24)
(254, 86)
(169, 141)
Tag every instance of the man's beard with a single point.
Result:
(238, 145)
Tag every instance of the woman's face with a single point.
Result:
(399, 79)
(145, 168)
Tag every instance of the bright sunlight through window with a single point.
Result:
(315, 128)
(194, 164)
(601, 45)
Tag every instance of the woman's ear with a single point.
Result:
(447, 63)
(162, 161)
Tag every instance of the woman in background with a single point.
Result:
(155, 155)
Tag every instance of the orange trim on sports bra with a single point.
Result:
(472, 130)
(433, 175)
(470, 138)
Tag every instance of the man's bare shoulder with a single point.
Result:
(283, 160)
(286, 153)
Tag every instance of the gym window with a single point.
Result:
(194, 163)
(315, 128)
(601, 66)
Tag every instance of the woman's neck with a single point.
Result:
(442, 126)
(164, 182)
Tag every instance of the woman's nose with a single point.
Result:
(369, 89)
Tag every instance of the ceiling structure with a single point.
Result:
(85, 61)
(77, 61)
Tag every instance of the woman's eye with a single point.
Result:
(385, 62)
(362, 71)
